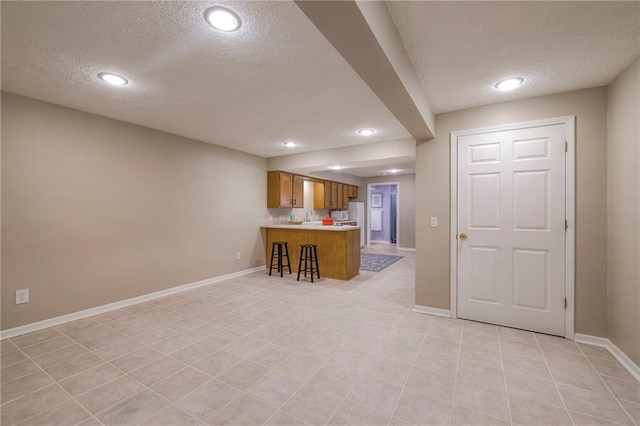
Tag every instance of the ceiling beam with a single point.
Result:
(364, 34)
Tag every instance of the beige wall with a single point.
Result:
(96, 210)
(407, 205)
(432, 199)
(623, 212)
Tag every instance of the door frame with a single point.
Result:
(367, 240)
(570, 202)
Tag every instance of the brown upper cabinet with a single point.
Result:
(318, 195)
(298, 191)
(334, 195)
(326, 197)
(341, 195)
(284, 190)
(330, 195)
(344, 200)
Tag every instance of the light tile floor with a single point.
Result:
(268, 350)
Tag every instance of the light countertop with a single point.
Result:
(310, 226)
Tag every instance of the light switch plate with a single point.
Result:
(434, 222)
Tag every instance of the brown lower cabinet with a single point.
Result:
(338, 250)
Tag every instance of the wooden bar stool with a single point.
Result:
(308, 253)
(279, 255)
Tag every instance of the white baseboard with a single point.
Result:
(406, 249)
(40, 325)
(617, 353)
(432, 311)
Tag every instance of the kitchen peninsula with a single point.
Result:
(338, 246)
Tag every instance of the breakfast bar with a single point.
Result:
(338, 247)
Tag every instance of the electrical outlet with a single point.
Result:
(238, 256)
(22, 296)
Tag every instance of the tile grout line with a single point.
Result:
(504, 377)
(163, 355)
(324, 362)
(347, 296)
(553, 379)
(243, 392)
(174, 403)
(624, 410)
(294, 352)
(307, 382)
(346, 397)
(455, 377)
(55, 382)
(149, 387)
(595, 371)
(333, 413)
(406, 380)
(240, 390)
(124, 373)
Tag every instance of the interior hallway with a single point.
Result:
(270, 350)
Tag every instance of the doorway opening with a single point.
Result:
(383, 215)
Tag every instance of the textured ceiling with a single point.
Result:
(461, 49)
(279, 79)
(274, 80)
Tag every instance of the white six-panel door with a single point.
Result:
(511, 209)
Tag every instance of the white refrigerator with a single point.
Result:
(356, 212)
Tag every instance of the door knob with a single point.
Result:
(463, 236)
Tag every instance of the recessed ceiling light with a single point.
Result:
(290, 144)
(113, 79)
(366, 132)
(222, 19)
(509, 83)
(337, 167)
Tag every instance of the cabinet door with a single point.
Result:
(341, 188)
(334, 195)
(318, 195)
(355, 192)
(298, 191)
(327, 194)
(278, 189)
(286, 187)
(344, 200)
